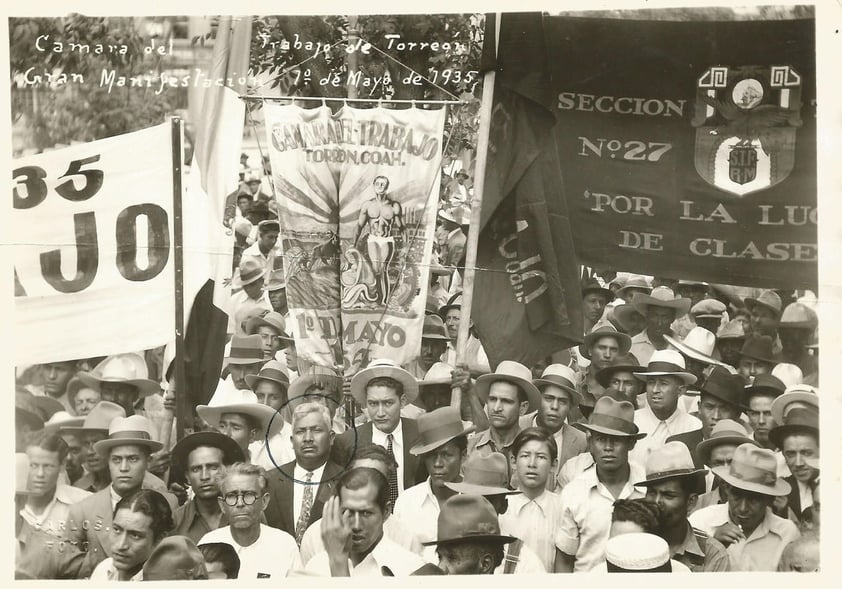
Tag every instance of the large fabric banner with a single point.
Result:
(92, 234)
(688, 149)
(357, 193)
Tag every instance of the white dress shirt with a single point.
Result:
(105, 571)
(280, 445)
(399, 560)
(657, 431)
(419, 509)
(300, 474)
(379, 438)
(273, 555)
(535, 521)
(393, 528)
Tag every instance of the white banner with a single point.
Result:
(92, 228)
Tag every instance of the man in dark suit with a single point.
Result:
(299, 489)
(381, 389)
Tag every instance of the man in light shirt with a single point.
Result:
(660, 308)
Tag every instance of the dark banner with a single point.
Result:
(688, 149)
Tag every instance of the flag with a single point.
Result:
(208, 243)
(527, 297)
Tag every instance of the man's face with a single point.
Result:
(625, 382)
(712, 410)
(749, 368)
(594, 305)
(451, 321)
(244, 488)
(312, 439)
(533, 464)
(729, 349)
(662, 393)
(797, 450)
(244, 205)
(236, 427)
(383, 405)
(793, 341)
(254, 290)
(267, 240)
(431, 351)
(760, 417)
(658, 320)
(610, 453)
(203, 467)
(253, 186)
(745, 508)
(709, 323)
(271, 341)
(444, 464)
(86, 399)
(763, 321)
(73, 462)
(123, 394)
(55, 376)
(672, 499)
(270, 393)
(278, 298)
(380, 186)
(93, 461)
(239, 373)
(460, 558)
(366, 517)
(722, 455)
(603, 351)
(503, 407)
(132, 539)
(127, 465)
(555, 404)
(44, 468)
(291, 357)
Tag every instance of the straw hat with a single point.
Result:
(246, 349)
(732, 329)
(228, 399)
(667, 363)
(515, 373)
(251, 270)
(271, 319)
(468, 517)
(272, 371)
(484, 473)
(798, 316)
(698, 344)
(594, 286)
(454, 302)
(560, 376)
(613, 418)
(636, 284)
(127, 368)
(638, 552)
(459, 214)
(98, 420)
(62, 419)
(626, 363)
(123, 431)
(378, 368)
(437, 428)
(623, 341)
(726, 431)
(768, 299)
(673, 460)
(793, 397)
(661, 296)
(754, 469)
(326, 377)
(231, 452)
(789, 374)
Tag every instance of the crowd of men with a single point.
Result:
(681, 436)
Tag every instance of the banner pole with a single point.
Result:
(473, 232)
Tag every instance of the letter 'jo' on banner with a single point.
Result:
(357, 193)
(92, 228)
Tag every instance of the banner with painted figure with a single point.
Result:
(357, 193)
(92, 232)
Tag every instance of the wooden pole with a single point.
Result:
(473, 232)
(351, 59)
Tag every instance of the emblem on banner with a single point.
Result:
(746, 119)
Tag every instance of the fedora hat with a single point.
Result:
(623, 341)
(459, 214)
(637, 552)
(620, 363)
(667, 363)
(726, 431)
(123, 431)
(793, 397)
(661, 296)
(708, 308)
(228, 399)
(246, 349)
(672, 460)
(175, 558)
(588, 402)
(636, 284)
(454, 302)
(732, 329)
(560, 376)
(515, 373)
(326, 378)
(723, 385)
(787, 373)
(251, 270)
(378, 368)
(798, 316)
(613, 418)
(271, 319)
(468, 517)
(698, 344)
(99, 419)
(759, 347)
(797, 420)
(764, 384)
(437, 428)
(434, 328)
(755, 470)
(768, 299)
(231, 452)
(62, 419)
(129, 368)
(272, 371)
(484, 473)
(594, 286)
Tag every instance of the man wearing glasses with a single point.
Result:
(264, 552)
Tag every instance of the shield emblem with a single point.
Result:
(746, 120)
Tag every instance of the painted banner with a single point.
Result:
(357, 193)
(691, 154)
(92, 234)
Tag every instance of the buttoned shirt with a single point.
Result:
(393, 528)
(642, 347)
(280, 445)
(586, 519)
(484, 438)
(710, 559)
(528, 563)
(273, 554)
(243, 307)
(386, 553)
(658, 431)
(762, 550)
(105, 571)
(379, 438)
(299, 473)
(573, 468)
(190, 523)
(419, 509)
(253, 251)
(53, 519)
(536, 521)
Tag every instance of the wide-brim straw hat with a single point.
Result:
(251, 270)
(468, 517)
(661, 296)
(667, 363)
(228, 399)
(755, 470)
(271, 319)
(768, 299)
(437, 428)
(129, 368)
(98, 420)
(515, 373)
(231, 452)
(726, 431)
(798, 316)
(698, 344)
(560, 376)
(378, 368)
(484, 473)
(672, 460)
(134, 430)
(62, 419)
(273, 371)
(326, 378)
(454, 302)
(623, 340)
(803, 395)
(636, 283)
(613, 418)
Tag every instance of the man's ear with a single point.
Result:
(486, 564)
(524, 407)
(331, 436)
(692, 500)
(265, 501)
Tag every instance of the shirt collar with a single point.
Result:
(300, 473)
(522, 500)
(379, 438)
(690, 544)
(115, 498)
(484, 437)
(636, 474)
(669, 420)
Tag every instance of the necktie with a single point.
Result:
(306, 506)
(393, 477)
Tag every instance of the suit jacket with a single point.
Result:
(691, 440)
(279, 512)
(345, 445)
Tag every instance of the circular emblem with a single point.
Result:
(747, 93)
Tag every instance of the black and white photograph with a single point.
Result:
(487, 290)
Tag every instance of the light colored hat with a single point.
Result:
(698, 344)
(437, 428)
(228, 399)
(468, 517)
(708, 308)
(99, 419)
(129, 368)
(726, 431)
(378, 368)
(251, 270)
(613, 418)
(793, 397)
(636, 283)
(798, 316)
(661, 296)
(754, 469)
(637, 552)
(458, 214)
(768, 299)
(243, 227)
(252, 175)
(272, 371)
(732, 329)
(672, 460)
(62, 419)
(271, 319)
(134, 430)
(560, 376)
(327, 378)
(484, 473)
(434, 328)
(452, 303)
(515, 373)
(624, 315)
(789, 374)
(623, 340)
(667, 363)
